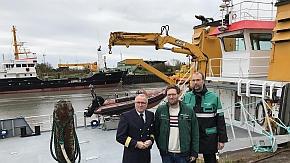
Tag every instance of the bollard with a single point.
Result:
(37, 130)
(23, 131)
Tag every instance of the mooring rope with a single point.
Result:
(261, 130)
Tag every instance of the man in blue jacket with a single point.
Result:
(176, 127)
(212, 128)
(135, 132)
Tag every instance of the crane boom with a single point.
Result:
(158, 40)
(91, 66)
(140, 62)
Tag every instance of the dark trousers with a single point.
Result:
(208, 158)
(174, 158)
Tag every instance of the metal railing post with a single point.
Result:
(221, 67)
(85, 122)
(232, 127)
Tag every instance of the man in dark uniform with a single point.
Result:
(135, 132)
(212, 128)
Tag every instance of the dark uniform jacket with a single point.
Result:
(130, 130)
(212, 128)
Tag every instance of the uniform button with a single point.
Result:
(141, 136)
(140, 129)
(148, 129)
(147, 135)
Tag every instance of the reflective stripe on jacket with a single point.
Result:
(211, 121)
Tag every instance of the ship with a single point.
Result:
(245, 61)
(20, 76)
(246, 64)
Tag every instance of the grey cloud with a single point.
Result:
(70, 29)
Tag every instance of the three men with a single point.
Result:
(176, 126)
(135, 132)
(182, 129)
(212, 128)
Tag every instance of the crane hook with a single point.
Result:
(166, 28)
(110, 49)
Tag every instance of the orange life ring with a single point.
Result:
(27, 70)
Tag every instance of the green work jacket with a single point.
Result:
(188, 130)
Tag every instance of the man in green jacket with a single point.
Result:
(212, 128)
(176, 129)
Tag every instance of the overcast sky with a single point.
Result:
(70, 31)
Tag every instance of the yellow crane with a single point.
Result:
(202, 48)
(18, 46)
(140, 62)
(90, 66)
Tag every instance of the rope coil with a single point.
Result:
(59, 130)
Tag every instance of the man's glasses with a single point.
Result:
(171, 95)
(142, 103)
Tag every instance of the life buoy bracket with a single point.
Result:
(4, 132)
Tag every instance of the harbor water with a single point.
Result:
(42, 103)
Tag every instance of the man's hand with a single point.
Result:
(147, 143)
(192, 159)
(220, 145)
(140, 145)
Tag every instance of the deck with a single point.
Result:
(96, 145)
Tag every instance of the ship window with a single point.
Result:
(30, 65)
(12, 65)
(5, 76)
(261, 41)
(30, 74)
(24, 65)
(18, 65)
(24, 74)
(234, 42)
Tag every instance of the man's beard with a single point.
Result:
(173, 102)
(197, 88)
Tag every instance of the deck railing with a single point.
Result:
(251, 10)
(241, 62)
(45, 121)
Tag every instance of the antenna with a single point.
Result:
(43, 54)
(98, 36)
(59, 59)
(121, 54)
(77, 61)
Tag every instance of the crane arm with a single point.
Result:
(140, 62)
(158, 40)
(91, 66)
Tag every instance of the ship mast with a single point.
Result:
(16, 45)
